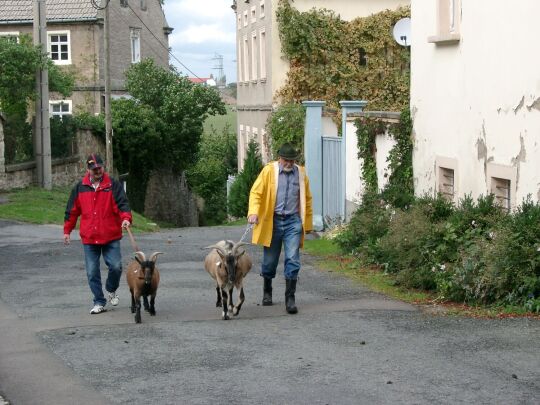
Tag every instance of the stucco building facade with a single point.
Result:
(475, 99)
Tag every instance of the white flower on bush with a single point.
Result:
(280, 119)
(442, 267)
(491, 235)
(473, 223)
(433, 269)
(538, 250)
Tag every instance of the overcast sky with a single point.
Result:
(202, 29)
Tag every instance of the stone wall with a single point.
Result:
(169, 199)
(65, 171)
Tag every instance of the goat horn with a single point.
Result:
(154, 256)
(140, 255)
(238, 245)
(218, 248)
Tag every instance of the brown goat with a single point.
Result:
(228, 265)
(143, 279)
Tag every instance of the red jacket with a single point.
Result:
(102, 211)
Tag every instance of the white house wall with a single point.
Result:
(477, 102)
(383, 144)
(354, 187)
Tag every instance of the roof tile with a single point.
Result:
(22, 10)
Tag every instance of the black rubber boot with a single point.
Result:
(290, 290)
(267, 292)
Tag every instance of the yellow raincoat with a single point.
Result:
(262, 201)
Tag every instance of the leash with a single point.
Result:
(249, 227)
(132, 240)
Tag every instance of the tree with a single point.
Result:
(216, 160)
(239, 198)
(18, 64)
(162, 127)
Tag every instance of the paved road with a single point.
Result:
(346, 346)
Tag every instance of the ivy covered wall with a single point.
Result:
(332, 59)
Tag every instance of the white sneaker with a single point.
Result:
(113, 299)
(98, 309)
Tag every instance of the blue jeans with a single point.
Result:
(287, 231)
(113, 260)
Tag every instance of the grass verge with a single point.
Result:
(331, 259)
(39, 206)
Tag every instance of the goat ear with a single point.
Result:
(154, 256)
(140, 257)
(240, 254)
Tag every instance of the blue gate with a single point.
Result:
(331, 179)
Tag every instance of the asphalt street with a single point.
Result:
(346, 345)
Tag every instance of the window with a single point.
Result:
(59, 47)
(245, 18)
(254, 56)
(448, 22)
(446, 177)
(135, 45)
(12, 36)
(60, 108)
(362, 57)
(502, 183)
(240, 66)
(239, 21)
(262, 53)
(261, 10)
(446, 183)
(124, 3)
(253, 14)
(500, 188)
(143, 5)
(246, 60)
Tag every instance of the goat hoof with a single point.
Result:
(235, 311)
(132, 310)
(152, 313)
(225, 316)
(137, 320)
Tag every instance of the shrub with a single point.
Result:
(216, 160)
(286, 124)
(367, 225)
(239, 194)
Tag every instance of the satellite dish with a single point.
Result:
(402, 32)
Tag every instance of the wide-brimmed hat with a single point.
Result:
(94, 161)
(287, 151)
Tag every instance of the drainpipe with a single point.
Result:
(347, 107)
(313, 156)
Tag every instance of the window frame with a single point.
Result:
(262, 9)
(68, 42)
(11, 34)
(132, 31)
(61, 114)
(496, 172)
(448, 16)
(446, 163)
(262, 54)
(254, 63)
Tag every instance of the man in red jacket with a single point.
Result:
(102, 204)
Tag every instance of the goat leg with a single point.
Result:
(132, 301)
(224, 315)
(138, 309)
(152, 307)
(218, 302)
(231, 305)
(241, 299)
(145, 303)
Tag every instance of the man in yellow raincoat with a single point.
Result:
(280, 206)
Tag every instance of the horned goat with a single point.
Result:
(143, 279)
(228, 264)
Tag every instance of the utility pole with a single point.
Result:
(42, 133)
(107, 74)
